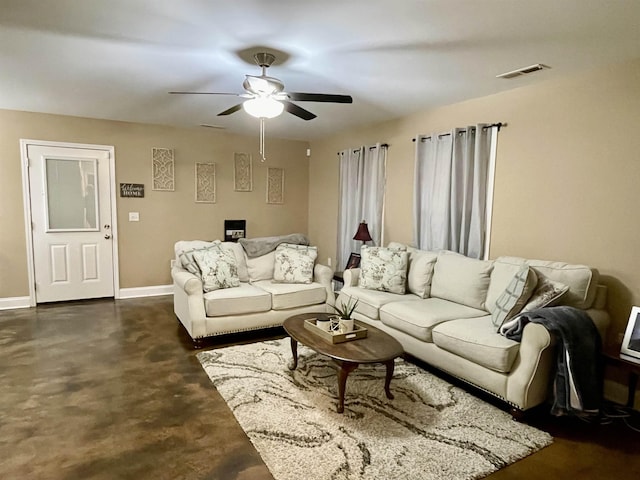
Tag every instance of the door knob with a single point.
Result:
(107, 236)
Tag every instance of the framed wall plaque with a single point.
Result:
(162, 169)
(275, 185)
(205, 182)
(242, 172)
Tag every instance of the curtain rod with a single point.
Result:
(442, 135)
(382, 145)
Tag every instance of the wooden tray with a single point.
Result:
(336, 337)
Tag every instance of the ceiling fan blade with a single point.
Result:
(298, 111)
(319, 97)
(231, 110)
(203, 93)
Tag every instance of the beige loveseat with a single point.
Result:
(445, 319)
(257, 302)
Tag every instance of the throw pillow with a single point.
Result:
(241, 262)
(219, 269)
(515, 296)
(383, 269)
(189, 263)
(547, 293)
(420, 272)
(294, 263)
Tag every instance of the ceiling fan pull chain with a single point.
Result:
(262, 152)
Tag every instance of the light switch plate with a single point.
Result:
(134, 216)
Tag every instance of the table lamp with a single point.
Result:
(363, 233)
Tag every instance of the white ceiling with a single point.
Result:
(117, 59)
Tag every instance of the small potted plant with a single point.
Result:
(344, 311)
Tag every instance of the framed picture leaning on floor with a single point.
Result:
(630, 349)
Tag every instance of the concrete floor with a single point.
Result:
(112, 390)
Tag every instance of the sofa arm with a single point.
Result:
(350, 277)
(187, 281)
(528, 382)
(188, 302)
(324, 276)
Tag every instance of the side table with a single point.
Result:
(338, 277)
(611, 356)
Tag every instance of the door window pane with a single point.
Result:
(71, 191)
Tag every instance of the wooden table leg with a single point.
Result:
(294, 351)
(387, 381)
(631, 394)
(345, 369)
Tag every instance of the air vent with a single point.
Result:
(523, 71)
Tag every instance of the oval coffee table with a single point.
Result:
(377, 347)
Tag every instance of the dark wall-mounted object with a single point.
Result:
(234, 229)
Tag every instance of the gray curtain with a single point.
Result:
(451, 190)
(362, 186)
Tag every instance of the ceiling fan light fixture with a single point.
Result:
(263, 107)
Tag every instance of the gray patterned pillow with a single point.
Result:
(515, 296)
(294, 263)
(383, 269)
(189, 263)
(219, 268)
(547, 293)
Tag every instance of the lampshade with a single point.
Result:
(363, 232)
(263, 107)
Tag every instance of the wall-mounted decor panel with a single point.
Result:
(242, 172)
(163, 169)
(275, 185)
(205, 182)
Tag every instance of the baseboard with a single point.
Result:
(146, 291)
(14, 302)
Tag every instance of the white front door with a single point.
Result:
(71, 222)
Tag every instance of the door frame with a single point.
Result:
(26, 198)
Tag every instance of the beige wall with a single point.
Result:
(567, 175)
(146, 247)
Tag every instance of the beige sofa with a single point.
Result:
(451, 327)
(258, 302)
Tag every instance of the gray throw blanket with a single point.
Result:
(256, 247)
(578, 381)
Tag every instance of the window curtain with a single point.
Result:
(453, 190)
(362, 186)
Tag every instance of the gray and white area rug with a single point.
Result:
(431, 430)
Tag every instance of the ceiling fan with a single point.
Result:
(266, 98)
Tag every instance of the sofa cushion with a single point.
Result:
(292, 295)
(261, 268)
(461, 279)
(383, 269)
(294, 263)
(546, 294)
(417, 318)
(236, 301)
(476, 340)
(420, 271)
(581, 279)
(515, 296)
(218, 267)
(370, 301)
